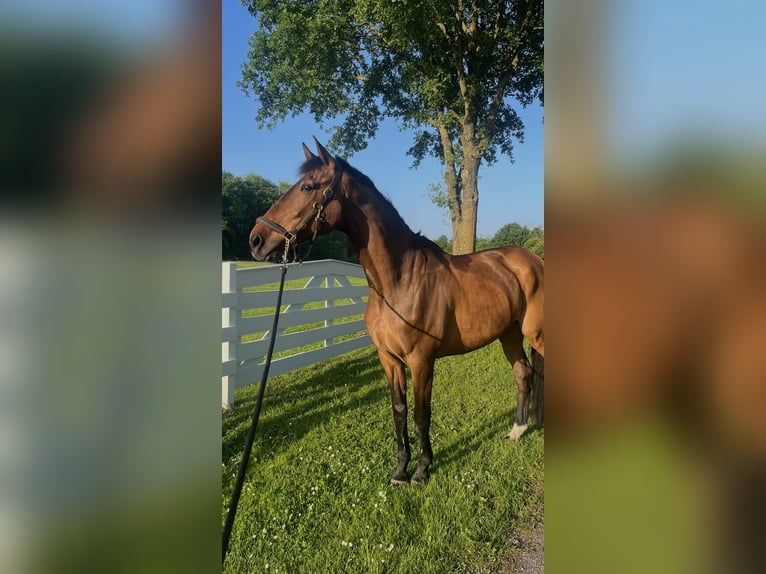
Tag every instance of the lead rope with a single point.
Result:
(256, 414)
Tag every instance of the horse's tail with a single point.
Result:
(538, 386)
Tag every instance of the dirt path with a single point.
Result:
(530, 556)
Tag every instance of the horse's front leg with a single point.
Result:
(397, 381)
(422, 381)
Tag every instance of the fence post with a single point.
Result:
(329, 284)
(229, 315)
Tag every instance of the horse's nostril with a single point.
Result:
(255, 240)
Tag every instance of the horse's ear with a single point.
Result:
(307, 153)
(324, 155)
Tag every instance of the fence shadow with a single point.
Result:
(306, 404)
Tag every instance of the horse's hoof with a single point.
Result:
(516, 432)
(419, 477)
(400, 478)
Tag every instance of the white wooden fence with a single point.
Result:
(327, 283)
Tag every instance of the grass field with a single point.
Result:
(317, 497)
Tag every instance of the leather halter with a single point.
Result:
(316, 214)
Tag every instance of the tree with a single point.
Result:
(444, 243)
(334, 245)
(243, 199)
(448, 69)
(511, 234)
(536, 244)
(521, 236)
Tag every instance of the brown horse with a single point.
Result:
(424, 303)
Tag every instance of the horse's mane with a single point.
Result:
(316, 163)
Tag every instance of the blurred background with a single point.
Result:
(656, 286)
(109, 247)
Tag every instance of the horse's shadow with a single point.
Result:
(455, 452)
(307, 405)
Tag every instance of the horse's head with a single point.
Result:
(309, 208)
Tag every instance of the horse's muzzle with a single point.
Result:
(263, 249)
(256, 241)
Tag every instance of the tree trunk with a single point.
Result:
(462, 189)
(451, 179)
(453, 203)
(464, 228)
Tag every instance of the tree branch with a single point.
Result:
(524, 30)
(505, 77)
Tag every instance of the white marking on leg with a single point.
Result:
(516, 432)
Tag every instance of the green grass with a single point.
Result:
(317, 496)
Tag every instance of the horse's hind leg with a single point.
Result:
(522, 370)
(397, 381)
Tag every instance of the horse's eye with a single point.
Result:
(305, 188)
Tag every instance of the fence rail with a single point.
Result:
(320, 320)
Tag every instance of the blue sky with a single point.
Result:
(685, 69)
(508, 192)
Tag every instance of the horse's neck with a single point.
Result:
(384, 245)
